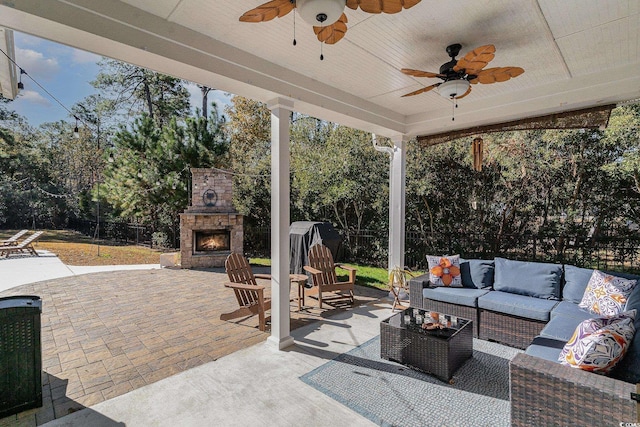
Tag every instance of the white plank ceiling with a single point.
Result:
(576, 53)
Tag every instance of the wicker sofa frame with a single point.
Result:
(544, 393)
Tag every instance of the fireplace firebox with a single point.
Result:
(211, 241)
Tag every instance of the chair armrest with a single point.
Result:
(351, 270)
(548, 393)
(244, 287)
(311, 270)
(416, 285)
(262, 276)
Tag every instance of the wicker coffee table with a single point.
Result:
(439, 352)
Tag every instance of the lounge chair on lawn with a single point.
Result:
(25, 246)
(13, 240)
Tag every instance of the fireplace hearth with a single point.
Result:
(210, 229)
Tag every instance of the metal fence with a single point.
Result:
(371, 247)
(118, 231)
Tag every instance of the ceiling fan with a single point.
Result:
(326, 16)
(458, 75)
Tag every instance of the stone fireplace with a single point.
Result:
(210, 229)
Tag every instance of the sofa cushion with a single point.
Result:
(477, 273)
(569, 309)
(460, 296)
(561, 327)
(517, 305)
(606, 295)
(445, 270)
(536, 279)
(598, 344)
(576, 280)
(545, 348)
(629, 368)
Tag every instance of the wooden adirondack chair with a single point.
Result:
(249, 294)
(324, 278)
(25, 246)
(13, 240)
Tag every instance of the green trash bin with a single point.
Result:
(20, 354)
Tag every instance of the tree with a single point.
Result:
(148, 180)
(134, 90)
(249, 130)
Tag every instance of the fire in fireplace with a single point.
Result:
(212, 241)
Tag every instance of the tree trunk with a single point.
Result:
(147, 95)
(205, 103)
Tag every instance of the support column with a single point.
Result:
(280, 196)
(397, 190)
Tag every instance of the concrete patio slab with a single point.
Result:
(255, 386)
(109, 333)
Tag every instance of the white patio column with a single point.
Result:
(280, 327)
(397, 189)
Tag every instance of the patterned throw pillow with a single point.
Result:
(597, 345)
(606, 295)
(445, 271)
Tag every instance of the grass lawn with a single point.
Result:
(74, 248)
(374, 277)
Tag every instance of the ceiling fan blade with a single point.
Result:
(333, 33)
(381, 6)
(498, 74)
(476, 60)
(423, 90)
(418, 73)
(268, 11)
(464, 94)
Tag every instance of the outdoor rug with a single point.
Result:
(390, 394)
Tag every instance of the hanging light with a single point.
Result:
(453, 88)
(320, 13)
(110, 159)
(476, 147)
(76, 131)
(20, 84)
(139, 173)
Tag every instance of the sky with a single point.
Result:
(66, 73)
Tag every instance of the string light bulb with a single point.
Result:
(20, 84)
(76, 131)
(139, 173)
(110, 159)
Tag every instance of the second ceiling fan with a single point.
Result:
(458, 75)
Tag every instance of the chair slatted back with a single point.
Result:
(239, 271)
(29, 240)
(320, 258)
(15, 237)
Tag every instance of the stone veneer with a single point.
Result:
(211, 209)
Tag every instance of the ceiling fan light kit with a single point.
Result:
(320, 12)
(453, 88)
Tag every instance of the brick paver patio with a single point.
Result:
(106, 334)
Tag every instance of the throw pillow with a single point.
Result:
(606, 295)
(598, 344)
(445, 271)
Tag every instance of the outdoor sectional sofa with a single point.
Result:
(534, 306)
